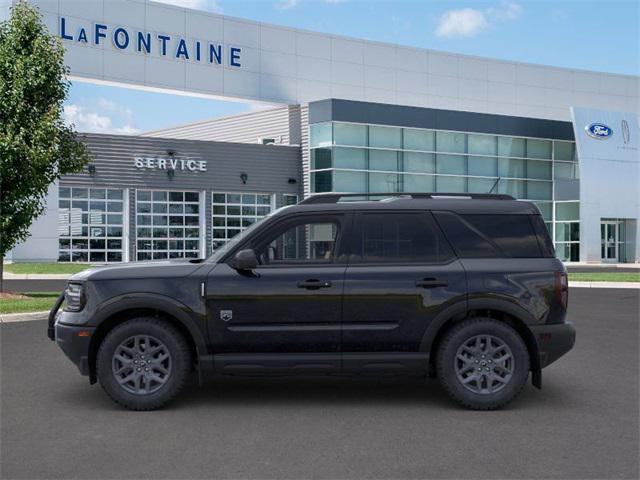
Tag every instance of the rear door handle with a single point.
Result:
(431, 283)
(313, 284)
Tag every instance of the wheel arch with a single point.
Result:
(120, 310)
(499, 309)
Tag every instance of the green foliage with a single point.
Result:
(36, 147)
(34, 302)
(45, 268)
(604, 276)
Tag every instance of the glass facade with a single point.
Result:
(232, 212)
(347, 157)
(90, 224)
(167, 224)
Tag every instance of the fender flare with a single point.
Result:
(162, 303)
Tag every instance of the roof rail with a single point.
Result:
(319, 198)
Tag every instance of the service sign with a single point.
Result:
(170, 163)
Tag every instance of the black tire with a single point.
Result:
(177, 364)
(485, 391)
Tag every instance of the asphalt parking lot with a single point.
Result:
(582, 424)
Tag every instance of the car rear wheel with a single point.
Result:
(482, 363)
(143, 363)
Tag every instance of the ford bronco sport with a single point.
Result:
(462, 286)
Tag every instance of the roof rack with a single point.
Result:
(319, 198)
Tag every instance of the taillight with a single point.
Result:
(562, 289)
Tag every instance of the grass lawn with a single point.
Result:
(32, 302)
(45, 267)
(605, 276)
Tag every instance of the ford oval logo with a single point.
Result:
(599, 131)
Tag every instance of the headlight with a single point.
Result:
(74, 297)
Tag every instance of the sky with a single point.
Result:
(601, 35)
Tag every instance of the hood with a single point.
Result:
(125, 271)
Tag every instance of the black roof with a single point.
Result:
(453, 202)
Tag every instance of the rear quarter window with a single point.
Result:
(491, 235)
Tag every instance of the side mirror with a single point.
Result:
(245, 260)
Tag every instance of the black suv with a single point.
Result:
(465, 287)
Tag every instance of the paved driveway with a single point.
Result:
(583, 424)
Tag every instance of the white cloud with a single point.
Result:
(334, 2)
(286, 4)
(467, 22)
(109, 117)
(208, 5)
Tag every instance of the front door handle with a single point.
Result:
(313, 284)
(431, 283)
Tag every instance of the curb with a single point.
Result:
(632, 285)
(36, 276)
(23, 317)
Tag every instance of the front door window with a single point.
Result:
(609, 232)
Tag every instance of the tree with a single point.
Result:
(36, 147)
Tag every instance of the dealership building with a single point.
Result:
(341, 115)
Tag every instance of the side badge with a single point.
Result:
(226, 315)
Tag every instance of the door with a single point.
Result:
(609, 231)
(402, 273)
(292, 301)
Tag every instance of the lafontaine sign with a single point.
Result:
(160, 44)
(171, 163)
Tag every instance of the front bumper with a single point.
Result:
(553, 341)
(74, 342)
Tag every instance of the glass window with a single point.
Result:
(81, 225)
(184, 209)
(350, 134)
(564, 150)
(385, 137)
(539, 190)
(385, 160)
(466, 242)
(320, 134)
(415, 139)
(289, 199)
(419, 162)
(349, 158)
(567, 211)
(568, 252)
(538, 148)
(447, 184)
(511, 168)
(511, 147)
(565, 170)
(481, 185)
(302, 242)
(232, 213)
(320, 158)
(454, 164)
(345, 181)
(451, 142)
(383, 182)
(418, 183)
(483, 166)
(407, 237)
(539, 170)
(546, 209)
(515, 188)
(567, 232)
(513, 234)
(321, 181)
(483, 144)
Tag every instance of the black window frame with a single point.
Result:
(356, 258)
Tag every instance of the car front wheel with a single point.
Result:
(143, 363)
(482, 363)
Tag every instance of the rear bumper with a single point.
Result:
(74, 342)
(553, 341)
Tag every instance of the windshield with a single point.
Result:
(218, 254)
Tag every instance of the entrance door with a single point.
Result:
(609, 232)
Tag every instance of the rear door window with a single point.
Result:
(399, 238)
(491, 236)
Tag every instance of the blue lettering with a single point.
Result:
(63, 33)
(117, 37)
(164, 39)
(198, 51)
(215, 53)
(82, 36)
(144, 39)
(182, 49)
(99, 33)
(234, 57)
